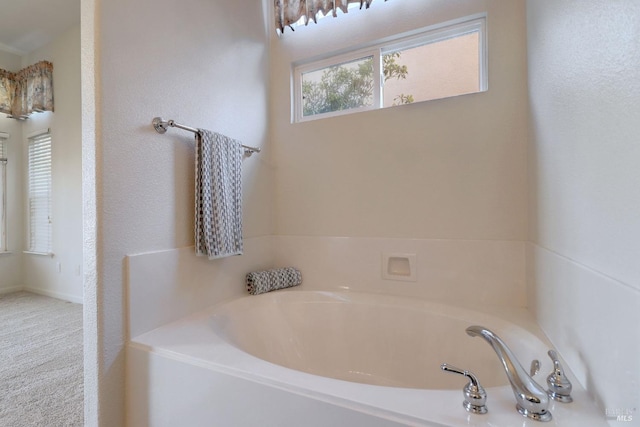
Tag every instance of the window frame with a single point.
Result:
(379, 48)
(336, 61)
(43, 245)
(4, 157)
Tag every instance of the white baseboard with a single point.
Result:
(57, 295)
(10, 290)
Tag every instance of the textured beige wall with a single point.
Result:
(10, 61)
(34, 272)
(203, 64)
(11, 271)
(584, 80)
(452, 168)
(584, 120)
(61, 275)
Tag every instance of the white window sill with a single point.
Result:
(5, 253)
(50, 254)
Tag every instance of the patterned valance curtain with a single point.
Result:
(28, 90)
(7, 86)
(290, 11)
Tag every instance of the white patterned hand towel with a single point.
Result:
(218, 227)
(259, 282)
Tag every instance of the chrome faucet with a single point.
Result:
(532, 400)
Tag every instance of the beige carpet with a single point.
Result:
(41, 380)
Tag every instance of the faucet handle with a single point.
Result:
(475, 398)
(559, 384)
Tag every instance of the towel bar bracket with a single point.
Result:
(161, 126)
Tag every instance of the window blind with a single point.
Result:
(39, 171)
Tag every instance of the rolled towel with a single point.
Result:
(259, 282)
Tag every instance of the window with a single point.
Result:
(438, 62)
(3, 192)
(39, 193)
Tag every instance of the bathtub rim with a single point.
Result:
(417, 407)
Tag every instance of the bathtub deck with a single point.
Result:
(184, 369)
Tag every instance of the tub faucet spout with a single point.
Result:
(532, 400)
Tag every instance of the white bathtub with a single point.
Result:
(305, 358)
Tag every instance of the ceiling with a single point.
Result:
(26, 25)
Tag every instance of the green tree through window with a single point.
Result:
(393, 70)
(347, 86)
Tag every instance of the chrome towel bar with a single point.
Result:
(161, 126)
